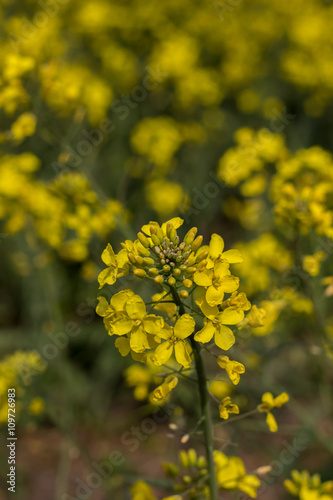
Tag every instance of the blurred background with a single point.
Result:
(117, 113)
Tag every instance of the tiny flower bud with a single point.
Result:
(141, 273)
(148, 261)
(176, 272)
(139, 260)
(183, 267)
(166, 268)
(131, 258)
(182, 246)
(159, 279)
(201, 256)
(143, 240)
(188, 283)
(197, 243)
(183, 294)
(159, 234)
(187, 479)
(173, 234)
(189, 237)
(192, 457)
(153, 229)
(155, 239)
(171, 281)
(143, 251)
(183, 458)
(153, 271)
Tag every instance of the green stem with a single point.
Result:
(204, 403)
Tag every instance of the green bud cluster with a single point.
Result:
(166, 259)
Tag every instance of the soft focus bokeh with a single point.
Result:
(117, 113)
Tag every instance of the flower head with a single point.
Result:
(268, 403)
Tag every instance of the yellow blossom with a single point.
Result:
(233, 368)
(175, 341)
(268, 403)
(227, 407)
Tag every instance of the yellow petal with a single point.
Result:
(224, 338)
(206, 333)
(214, 296)
(184, 326)
(107, 276)
(135, 307)
(122, 326)
(230, 284)
(183, 353)
(271, 422)
(153, 324)
(230, 316)
(268, 399)
(221, 268)
(119, 299)
(102, 306)
(175, 221)
(209, 311)
(216, 246)
(281, 400)
(166, 332)
(139, 340)
(223, 412)
(203, 278)
(108, 256)
(162, 353)
(233, 256)
(123, 346)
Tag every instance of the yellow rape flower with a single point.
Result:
(160, 394)
(215, 324)
(227, 407)
(268, 403)
(233, 368)
(218, 281)
(216, 247)
(311, 263)
(142, 491)
(137, 324)
(231, 475)
(117, 266)
(308, 487)
(175, 340)
(24, 126)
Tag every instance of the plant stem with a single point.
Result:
(204, 404)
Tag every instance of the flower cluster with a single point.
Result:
(307, 487)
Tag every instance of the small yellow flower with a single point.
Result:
(233, 368)
(215, 324)
(231, 475)
(137, 324)
(117, 266)
(218, 281)
(268, 403)
(175, 340)
(227, 407)
(216, 247)
(160, 394)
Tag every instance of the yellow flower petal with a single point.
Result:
(206, 333)
(123, 345)
(184, 326)
(122, 326)
(209, 311)
(271, 422)
(230, 284)
(135, 307)
(153, 324)
(216, 246)
(162, 353)
(281, 399)
(109, 257)
(183, 353)
(203, 278)
(107, 276)
(166, 332)
(102, 306)
(224, 338)
(119, 299)
(233, 256)
(214, 296)
(139, 340)
(230, 316)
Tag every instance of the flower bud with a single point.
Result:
(143, 240)
(153, 271)
(201, 256)
(183, 458)
(197, 243)
(159, 234)
(148, 261)
(188, 283)
(173, 234)
(155, 239)
(166, 268)
(171, 281)
(189, 237)
(143, 251)
(176, 272)
(153, 230)
(139, 260)
(183, 294)
(131, 258)
(141, 273)
(192, 457)
(159, 279)
(169, 226)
